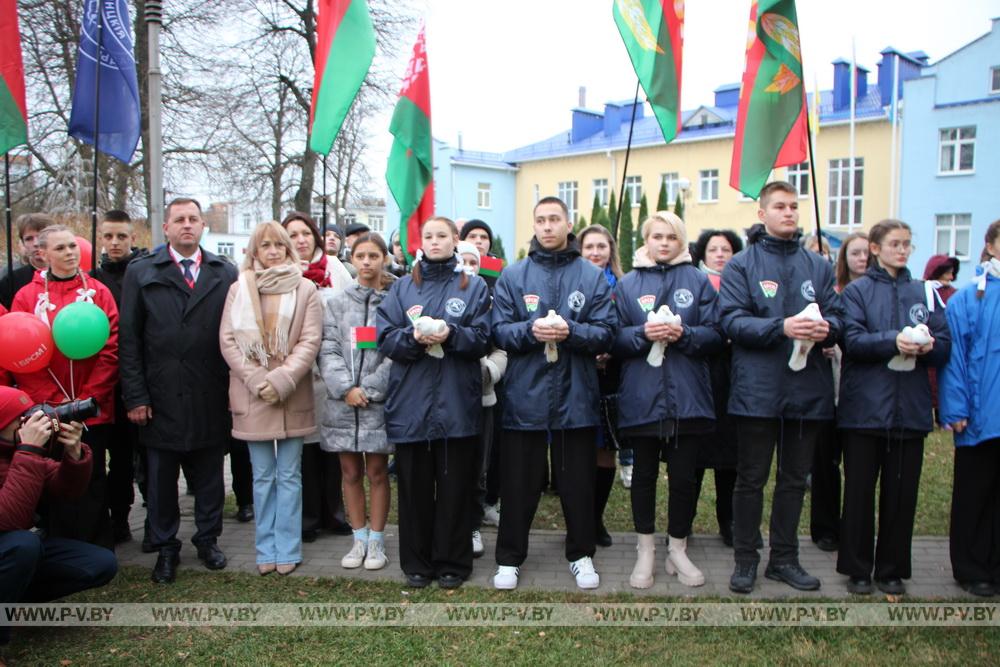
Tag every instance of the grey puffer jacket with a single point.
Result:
(347, 429)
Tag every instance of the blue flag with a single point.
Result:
(118, 132)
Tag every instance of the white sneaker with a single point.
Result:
(355, 557)
(505, 578)
(586, 576)
(376, 558)
(626, 475)
(491, 514)
(477, 544)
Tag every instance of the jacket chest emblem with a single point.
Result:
(646, 302)
(575, 301)
(808, 291)
(919, 314)
(683, 298)
(455, 307)
(531, 302)
(769, 288)
(413, 312)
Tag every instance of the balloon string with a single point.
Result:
(59, 384)
(72, 384)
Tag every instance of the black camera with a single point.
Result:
(74, 411)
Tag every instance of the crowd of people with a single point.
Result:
(321, 363)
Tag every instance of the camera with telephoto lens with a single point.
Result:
(74, 411)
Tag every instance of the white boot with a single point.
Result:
(645, 562)
(679, 564)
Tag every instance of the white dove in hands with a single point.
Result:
(918, 336)
(801, 348)
(552, 319)
(429, 326)
(661, 316)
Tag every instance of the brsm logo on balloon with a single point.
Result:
(32, 358)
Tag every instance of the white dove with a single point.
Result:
(551, 351)
(428, 326)
(801, 348)
(662, 316)
(920, 335)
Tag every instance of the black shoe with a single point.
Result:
(211, 555)
(165, 570)
(122, 533)
(891, 586)
(859, 585)
(450, 581)
(743, 578)
(245, 514)
(828, 544)
(981, 588)
(342, 529)
(726, 532)
(310, 535)
(793, 575)
(418, 581)
(603, 537)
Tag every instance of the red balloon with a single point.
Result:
(26, 344)
(86, 254)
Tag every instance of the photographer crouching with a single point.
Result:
(34, 568)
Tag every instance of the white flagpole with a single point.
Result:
(894, 110)
(854, 95)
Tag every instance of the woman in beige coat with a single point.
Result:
(271, 331)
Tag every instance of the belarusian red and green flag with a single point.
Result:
(363, 338)
(771, 122)
(13, 112)
(410, 174)
(490, 266)
(653, 34)
(345, 46)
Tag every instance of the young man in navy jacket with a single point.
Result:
(550, 403)
(764, 289)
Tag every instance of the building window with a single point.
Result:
(246, 222)
(538, 194)
(953, 234)
(708, 185)
(634, 186)
(483, 196)
(601, 191)
(376, 223)
(671, 182)
(798, 176)
(348, 219)
(957, 149)
(839, 195)
(567, 192)
(995, 79)
(226, 249)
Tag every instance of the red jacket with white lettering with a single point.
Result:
(92, 377)
(25, 477)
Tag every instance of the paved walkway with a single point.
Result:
(547, 569)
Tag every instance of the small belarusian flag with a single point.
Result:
(363, 338)
(13, 113)
(490, 266)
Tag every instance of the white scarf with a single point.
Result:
(43, 306)
(992, 267)
(248, 320)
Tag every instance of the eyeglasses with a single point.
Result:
(905, 246)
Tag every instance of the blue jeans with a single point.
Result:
(277, 499)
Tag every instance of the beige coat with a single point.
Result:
(293, 416)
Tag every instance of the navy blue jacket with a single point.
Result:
(768, 281)
(429, 398)
(539, 395)
(681, 387)
(871, 395)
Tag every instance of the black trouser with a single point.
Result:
(435, 482)
(493, 465)
(681, 455)
(824, 508)
(322, 493)
(242, 472)
(725, 482)
(756, 440)
(481, 463)
(203, 471)
(975, 513)
(121, 467)
(523, 464)
(895, 465)
(86, 518)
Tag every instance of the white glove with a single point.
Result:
(428, 326)
(662, 316)
(551, 350)
(801, 348)
(920, 335)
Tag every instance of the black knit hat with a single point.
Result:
(356, 228)
(475, 224)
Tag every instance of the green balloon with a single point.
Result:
(80, 330)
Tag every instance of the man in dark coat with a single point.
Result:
(175, 381)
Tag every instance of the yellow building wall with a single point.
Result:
(688, 158)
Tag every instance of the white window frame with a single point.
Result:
(995, 80)
(956, 145)
(634, 186)
(569, 192)
(226, 248)
(838, 192)
(798, 175)
(484, 196)
(538, 193)
(376, 223)
(671, 180)
(601, 190)
(953, 223)
(247, 222)
(708, 178)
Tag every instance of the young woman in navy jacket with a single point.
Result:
(884, 414)
(433, 407)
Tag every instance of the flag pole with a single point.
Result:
(324, 204)
(97, 129)
(812, 177)
(10, 223)
(628, 150)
